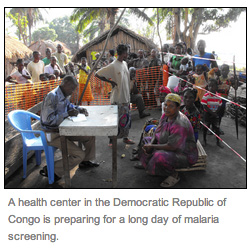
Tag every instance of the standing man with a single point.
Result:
(36, 67)
(118, 75)
(55, 108)
(62, 57)
(204, 57)
(46, 60)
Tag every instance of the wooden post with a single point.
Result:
(65, 162)
(114, 161)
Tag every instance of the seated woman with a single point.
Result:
(172, 145)
(190, 110)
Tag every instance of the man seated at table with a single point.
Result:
(55, 108)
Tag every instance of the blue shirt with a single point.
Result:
(202, 61)
(54, 109)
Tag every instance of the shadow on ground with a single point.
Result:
(224, 168)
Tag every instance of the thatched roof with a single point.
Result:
(41, 46)
(150, 45)
(15, 49)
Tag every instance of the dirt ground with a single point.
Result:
(224, 168)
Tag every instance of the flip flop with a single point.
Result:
(170, 181)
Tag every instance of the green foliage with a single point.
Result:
(44, 33)
(65, 31)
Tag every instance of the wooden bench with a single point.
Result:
(200, 164)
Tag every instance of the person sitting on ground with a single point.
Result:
(84, 71)
(118, 75)
(49, 69)
(172, 145)
(21, 75)
(35, 67)
(190, 110)
(55, 108)
(181, 87)
(212, 105)
(135, 96)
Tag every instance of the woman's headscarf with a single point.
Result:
(173, 97)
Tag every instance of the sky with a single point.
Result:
(226, 43)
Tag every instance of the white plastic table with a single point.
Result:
(102, 121)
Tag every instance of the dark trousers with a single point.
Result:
(211, 120)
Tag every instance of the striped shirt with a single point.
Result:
(211, 101)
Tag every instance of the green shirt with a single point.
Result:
(46, 61)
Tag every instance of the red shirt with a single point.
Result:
(211, 101)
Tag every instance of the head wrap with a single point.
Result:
(173, 98)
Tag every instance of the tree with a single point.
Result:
(86, 16)
(20, 21)
(192, 20)
(66, 32)
(23, 17)
(44, 33)
(33, 16)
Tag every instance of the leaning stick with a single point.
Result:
(96, 63)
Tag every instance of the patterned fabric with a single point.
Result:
(177, 133)
(124, 120)
(200, 81)
(173, 97)
(193, 116)
(88, 97)
(224, 87)
(211, 101)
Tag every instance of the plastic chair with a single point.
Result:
(21, 121)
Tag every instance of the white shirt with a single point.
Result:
(18, 76)
(118, 72)
(49, 70)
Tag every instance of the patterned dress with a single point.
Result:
(88, 97)
(177, 133)
(194, 117)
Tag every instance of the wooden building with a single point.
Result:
(119, 35)
(14, 50)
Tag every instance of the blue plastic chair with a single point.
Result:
(21, 121)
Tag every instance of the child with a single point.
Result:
(181, 87)
(84, 71)
(190, 110)
(184, 67)
(212, 105)
(223, 89)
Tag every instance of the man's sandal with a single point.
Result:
(170, 181)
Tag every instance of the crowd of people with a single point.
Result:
(186, 78)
